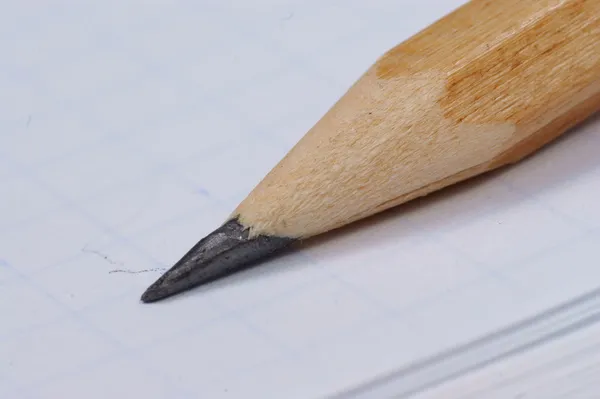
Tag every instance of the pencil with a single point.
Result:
(483, 87)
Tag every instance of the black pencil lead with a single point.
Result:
(226, 250)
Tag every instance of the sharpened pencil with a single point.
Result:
(481, 88)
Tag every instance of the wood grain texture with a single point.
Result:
(485, 86)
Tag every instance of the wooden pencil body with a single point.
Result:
(484, 86)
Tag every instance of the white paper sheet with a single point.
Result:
(129, 129)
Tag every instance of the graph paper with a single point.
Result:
(130, 129)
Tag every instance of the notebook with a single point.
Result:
(130, 129)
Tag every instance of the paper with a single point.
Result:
(130, 129)
(567, 366)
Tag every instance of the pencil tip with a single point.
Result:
(224, 251)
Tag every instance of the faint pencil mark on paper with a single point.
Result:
(158, 269)
(28, 121)
(100, 254)
(203, 191)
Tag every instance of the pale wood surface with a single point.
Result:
(484, 86)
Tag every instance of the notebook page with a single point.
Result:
(130, 129)
(566, 367)
(520, 360)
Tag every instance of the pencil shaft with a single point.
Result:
(484, 86)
